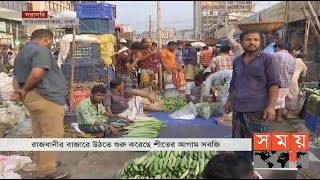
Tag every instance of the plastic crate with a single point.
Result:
(86, 50)
(111, 26)
(96, 26)
(85, 70)
(310, 84)
(317, 126)
(310, 121)
(95, 11)
(313, 73)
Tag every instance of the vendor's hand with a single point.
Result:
(154, 52)
(269, 113)
(205, 98)
(227, 107)
(15, 97)
(22, 92)
(152, 99)
(113, 129)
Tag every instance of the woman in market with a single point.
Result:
(119, 105)
(293, 95)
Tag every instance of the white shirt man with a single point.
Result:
(220, 78)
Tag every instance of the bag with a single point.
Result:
(204, 110)
(217, 109)
(188, 112)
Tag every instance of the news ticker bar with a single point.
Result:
(50, 21)
(126, 144)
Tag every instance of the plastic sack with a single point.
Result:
(204, 110)
(10, 164)
(22, 129)
(217, 109)
(188, 112)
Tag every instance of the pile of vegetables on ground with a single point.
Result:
(313, 99)
(173, 104)
(167, 165)
(147, 127)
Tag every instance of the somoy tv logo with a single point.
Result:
(281, 150)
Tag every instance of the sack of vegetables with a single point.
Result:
(207, 110)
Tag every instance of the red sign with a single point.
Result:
(299, 141)
(281, 141)
(34, 14)
(262, 141)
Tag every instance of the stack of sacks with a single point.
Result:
(6, 87)
(107, 42)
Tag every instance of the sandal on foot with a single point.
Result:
(56, 175)
(32, 167)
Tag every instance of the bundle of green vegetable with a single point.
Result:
(313, 103)
(174, 104)
(145, 128)
(167, 165)
(315, 91)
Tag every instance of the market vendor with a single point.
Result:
(220, 78)
(119, 105)
(194, 89)
(92, 116)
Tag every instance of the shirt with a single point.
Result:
(287, 67)
(149, 63)
(53, 85)
(88, 114)
(251, 82)
(178, 54)
(218, 79)
(222, 62)
(168, 60)
(192, 52)
(117, 102)
(206, 57)
(192, 89)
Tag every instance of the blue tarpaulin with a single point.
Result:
(197, 128)
(199, 121)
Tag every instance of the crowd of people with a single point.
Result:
(255, 86)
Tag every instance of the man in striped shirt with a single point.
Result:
(205, 57)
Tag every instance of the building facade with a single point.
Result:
(11, 28)
(53, 8)
(208, 14)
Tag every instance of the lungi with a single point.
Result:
(127, 79)
(190, 71)
(118, 123)
(281, 100)
(245, 124)
(146, 77)
(135, 108)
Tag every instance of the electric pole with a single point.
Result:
(159, 18)
(150, 27)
